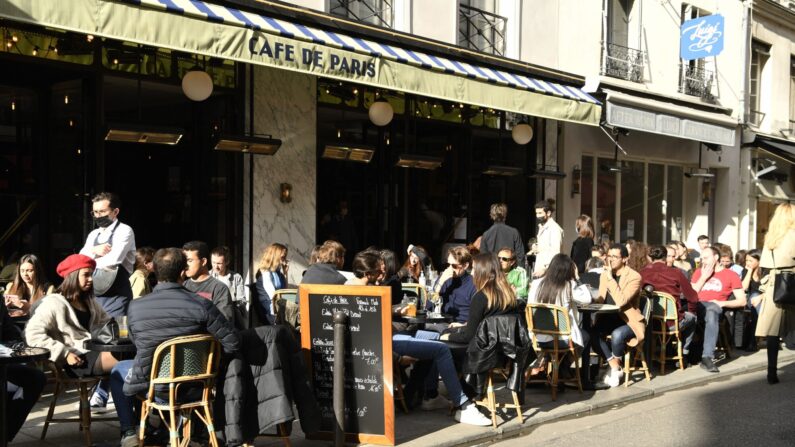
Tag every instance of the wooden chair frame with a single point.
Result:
(281, 292)
(665, 311)
(202, 407)
(559, 316)
(490, 401)
(638, 351)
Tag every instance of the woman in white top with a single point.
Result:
(559, 287)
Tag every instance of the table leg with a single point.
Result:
(4, 390)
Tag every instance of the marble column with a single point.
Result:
(285, 106)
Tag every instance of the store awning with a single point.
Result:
(224, 32)
(779, 148)
(664, 118)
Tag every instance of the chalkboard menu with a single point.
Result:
(369, 404)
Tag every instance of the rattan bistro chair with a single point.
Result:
(633, 355)
(287, 294)
(665, 329)
(552, 320)
(183, 360)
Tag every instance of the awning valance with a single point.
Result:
(780, 148)
(220, 31)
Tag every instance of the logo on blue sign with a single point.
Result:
(701, 37)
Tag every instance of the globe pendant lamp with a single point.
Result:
(522, 133)
(197, 84)
(381, 112)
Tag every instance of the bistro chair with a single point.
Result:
(637, 353)
(413, 290)
(290, 295)
(183, 360)
(84, 385)
(552, 320)
(490, 399)
(665, 329)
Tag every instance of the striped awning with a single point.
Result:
(221, 31)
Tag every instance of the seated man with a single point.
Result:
(168, 312)
(714, 284)
(456, 288)
(619, 285)
(516, 275)
(24, 382)
(672, 280)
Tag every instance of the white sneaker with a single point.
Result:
(614, 378)
(96, 404)
(469, 414)
(437, 403)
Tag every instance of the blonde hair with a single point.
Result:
(783, 220)
(272, 257)
(489, 279)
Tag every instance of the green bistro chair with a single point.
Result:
(634, 354)
(552, 320)
(666, 329)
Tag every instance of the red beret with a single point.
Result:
(74, 262)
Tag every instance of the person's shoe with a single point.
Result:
(772, 379)
(614, 378)
(595, 386)
(129, 439)
(436, 403)
(96, 404)
(708, 365)
(469, 414)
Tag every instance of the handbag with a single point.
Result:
(783, 286)
(107, 334)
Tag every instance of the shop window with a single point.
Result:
(760, 53)
(655, 208)
(632, 199)
(49, 44)
(374, 12)
(480, 27)
(791, 95)
(673, 203)
(620, 60)
(605, 201)
(586, 186)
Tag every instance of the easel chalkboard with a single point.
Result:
(369, 401)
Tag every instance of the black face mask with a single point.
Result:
(103, 221)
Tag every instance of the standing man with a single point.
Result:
(234, 281)
(714, 284)
(199, 281)
(112, 246)
(500, 235)
(549, 237)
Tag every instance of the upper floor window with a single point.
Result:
(619, 59)
(760, 53)
(792, 95)
(374, 12)
(480, 27)
(697, 76)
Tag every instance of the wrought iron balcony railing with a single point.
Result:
(481, 30)
(374, 12)
(623, 63)
(696, 81)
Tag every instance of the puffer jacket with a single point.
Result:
(499, 337)
(171, 311)
(262, 384)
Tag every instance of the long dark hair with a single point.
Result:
(556, 279)
(390, 263)
(489, 279)
(70, 289)
(40, 284)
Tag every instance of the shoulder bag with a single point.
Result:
(783, 285)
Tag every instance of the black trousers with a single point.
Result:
(32, 382)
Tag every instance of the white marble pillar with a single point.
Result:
(285, 106)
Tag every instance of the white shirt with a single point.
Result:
(235, 283)
(122, 241)
(550, 242)
(579, 294)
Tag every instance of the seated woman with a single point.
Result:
(367, 270)
(415, 264)
(29, 285)
(63, 322)
(273, 266)
(493, 296)
(139, 280)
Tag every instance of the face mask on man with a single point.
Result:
(103, 221)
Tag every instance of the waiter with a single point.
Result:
(112, 245)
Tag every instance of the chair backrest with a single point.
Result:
(287, 294)
(547, 319)
(644, 305)
(664, 307)
(185, 359)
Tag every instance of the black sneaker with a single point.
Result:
(708, 365)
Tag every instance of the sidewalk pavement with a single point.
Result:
(420, 428)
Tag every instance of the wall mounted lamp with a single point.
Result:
(285, 193)
(576, 180)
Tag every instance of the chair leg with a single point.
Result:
(555, 364)
(210, 426)
(643, 363)
(577, 370)
(55, 394)
(679, 351)
(518, 407)
(626, 369)
(144, 416)
(663, 348)
(172, 430)
(284, 435)
(492, 400)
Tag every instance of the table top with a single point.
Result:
(123, 345)
(426, 318)
(25, 355)
(598, 308)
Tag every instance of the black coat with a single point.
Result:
(8, 329)
(263, 383)
(322, 274)
(503, 236)
(581, 252)
(171, 311)
(499, 337)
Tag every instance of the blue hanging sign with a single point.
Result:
(701, 37)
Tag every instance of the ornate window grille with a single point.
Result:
(374, 12)
(696, 81)
(623, 63)
(481, 30)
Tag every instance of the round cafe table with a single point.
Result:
(25, 355)
(123, 346)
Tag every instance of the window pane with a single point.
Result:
(632, 201)
(605, 201)
(656, 216)
(674, 203)
(586, 186)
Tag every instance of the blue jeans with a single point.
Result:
(124, 404)
(619, 334)
(442, 359)
(710, 313)
(687, 326)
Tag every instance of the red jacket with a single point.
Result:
(670, 280)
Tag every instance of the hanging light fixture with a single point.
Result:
(381, 112)
(522, 133)
(197, 84)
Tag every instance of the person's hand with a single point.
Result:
(707, 270)
(101, 250)
(755, 301)
(456, 324)
(73, 359)
(13, 301)
(445, 337)
(406, 360)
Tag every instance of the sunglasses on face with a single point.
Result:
(455, 266)
(505, 259)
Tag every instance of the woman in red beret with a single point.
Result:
(62, 322)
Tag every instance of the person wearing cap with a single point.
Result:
(415, 264)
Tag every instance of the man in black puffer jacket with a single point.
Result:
(169, 311)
